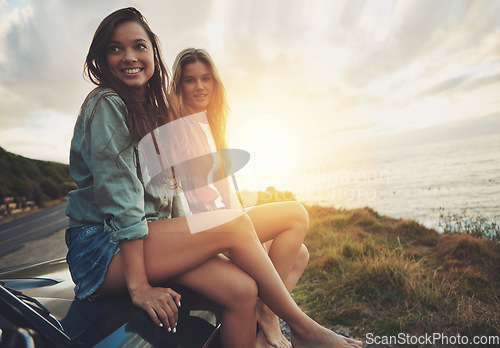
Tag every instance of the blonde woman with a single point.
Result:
(196, 87)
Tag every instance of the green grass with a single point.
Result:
(386, 276)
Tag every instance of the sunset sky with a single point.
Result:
(307, 81)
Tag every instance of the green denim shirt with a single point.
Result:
(105, 168)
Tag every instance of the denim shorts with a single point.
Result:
(90, 250)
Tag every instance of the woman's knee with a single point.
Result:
(243, 292)
(303, 215)
(243, 230)
(299, 216)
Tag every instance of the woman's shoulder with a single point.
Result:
(103, 102)
(101, 94)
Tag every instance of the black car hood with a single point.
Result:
(106, 320)
(84, 321)
(49, 282)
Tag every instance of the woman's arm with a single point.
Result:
(119, 195)
(161, 304)
(133, 264)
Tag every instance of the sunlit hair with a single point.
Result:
(218, 110)
(144, 116)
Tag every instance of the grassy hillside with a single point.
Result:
(385, 276)
(34, 180)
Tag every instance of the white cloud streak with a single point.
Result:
(330, 64)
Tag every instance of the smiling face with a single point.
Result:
(130, 56)
(197, 85)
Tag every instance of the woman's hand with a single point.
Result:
(160, 303)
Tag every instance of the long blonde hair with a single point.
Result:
(218, 110)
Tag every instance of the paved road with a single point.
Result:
(14, 234)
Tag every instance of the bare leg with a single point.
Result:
(286, 224)
(298, 268)
(171, 251)
(223, 282)
(181, 257)
(283, 225)
(305, 332)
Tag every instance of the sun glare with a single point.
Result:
(272, 145)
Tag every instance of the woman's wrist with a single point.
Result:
(133, 264)
(137, 287)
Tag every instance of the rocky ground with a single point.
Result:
(340, 329)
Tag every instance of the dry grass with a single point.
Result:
(387, 276)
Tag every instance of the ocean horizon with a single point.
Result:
(420, 182)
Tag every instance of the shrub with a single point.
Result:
(477, 226)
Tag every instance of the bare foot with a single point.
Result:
(269, 327)
(353, 341)
(324, 338)
(260, 340)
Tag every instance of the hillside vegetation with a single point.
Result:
(386, 276)
(32, 180)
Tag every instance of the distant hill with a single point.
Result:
(24, 179)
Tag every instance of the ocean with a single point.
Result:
(419, 183)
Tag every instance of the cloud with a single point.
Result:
(43, 46)
(482, 81)
(43, 134)
(462, 84)
(344, 55)
(354, 128)
(426, 35)
(447, 85)
(320, 61)
(473, 127)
